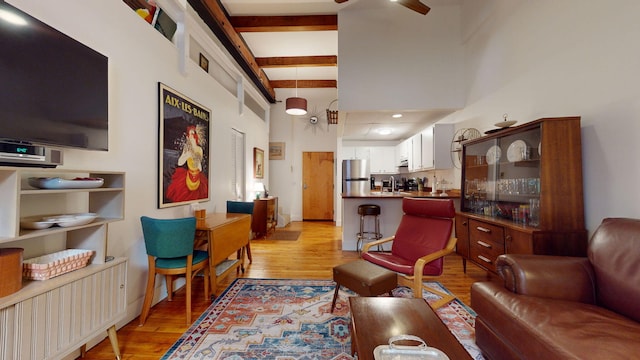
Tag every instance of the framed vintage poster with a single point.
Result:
(258, 163)
(276, 151)
(183, 153)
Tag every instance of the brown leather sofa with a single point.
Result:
(554, 307)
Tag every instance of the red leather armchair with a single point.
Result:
(422, 240)
(553, 307)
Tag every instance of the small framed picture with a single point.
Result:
(258, 163)
(204, 63)
(276, 151)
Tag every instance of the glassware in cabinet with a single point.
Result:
(501, 176)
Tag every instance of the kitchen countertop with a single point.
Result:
(452, 194)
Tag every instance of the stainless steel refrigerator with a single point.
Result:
(355, 177)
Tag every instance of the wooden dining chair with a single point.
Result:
(170, 252)
(242, 207)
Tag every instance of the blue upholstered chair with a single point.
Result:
(169, 244)
(242, 207)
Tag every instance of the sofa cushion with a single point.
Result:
(539, 328)
(614, 252)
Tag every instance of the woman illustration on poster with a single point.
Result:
(188, 181)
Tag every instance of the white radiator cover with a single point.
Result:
(52, 324)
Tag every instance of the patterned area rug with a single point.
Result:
(291, 319)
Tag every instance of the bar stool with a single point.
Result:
(368, 210)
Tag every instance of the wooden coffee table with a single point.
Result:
(375, 319)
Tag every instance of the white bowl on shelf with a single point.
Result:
(69, 220)
(36, 223)
(64, 220)
(59, 183)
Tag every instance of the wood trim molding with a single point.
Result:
(306, 84)
(215, 16)
(227, 30)
(284, 23)
(297, 61)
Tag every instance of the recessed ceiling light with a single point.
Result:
(384, 131)
(395, 116)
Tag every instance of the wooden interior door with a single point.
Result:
(317, 185)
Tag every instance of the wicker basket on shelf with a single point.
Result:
(55, 264)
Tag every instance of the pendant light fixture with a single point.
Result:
(296, 105)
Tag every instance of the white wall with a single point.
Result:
(534, 59)
(139, 58)
(391, 58)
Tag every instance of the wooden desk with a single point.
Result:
(226, 233)
(375, 319)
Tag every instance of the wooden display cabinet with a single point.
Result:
(504, 175)
(265, 216)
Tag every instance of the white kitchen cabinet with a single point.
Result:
(52, 318)
(402, 152)
(348, 152)
(427, 148)
(415, 159)
(356, 152)
(382, 160)
(363, 152)
(436, 147)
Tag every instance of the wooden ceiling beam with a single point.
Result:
(304, 84)
(227, 30)
(284, 23)
(297, 61)
(216, 17)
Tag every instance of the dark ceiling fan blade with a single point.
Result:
(414, 5)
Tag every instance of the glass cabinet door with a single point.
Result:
(501, 177)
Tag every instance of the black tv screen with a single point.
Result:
(53, 89)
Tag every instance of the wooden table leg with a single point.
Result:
(243, 252)
(212, 266)
(113, 338)
(353, 338)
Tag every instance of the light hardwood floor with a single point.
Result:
(312, 256)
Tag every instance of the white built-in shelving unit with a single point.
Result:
(51, 319)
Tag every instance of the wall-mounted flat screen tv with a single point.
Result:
(53, 89)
